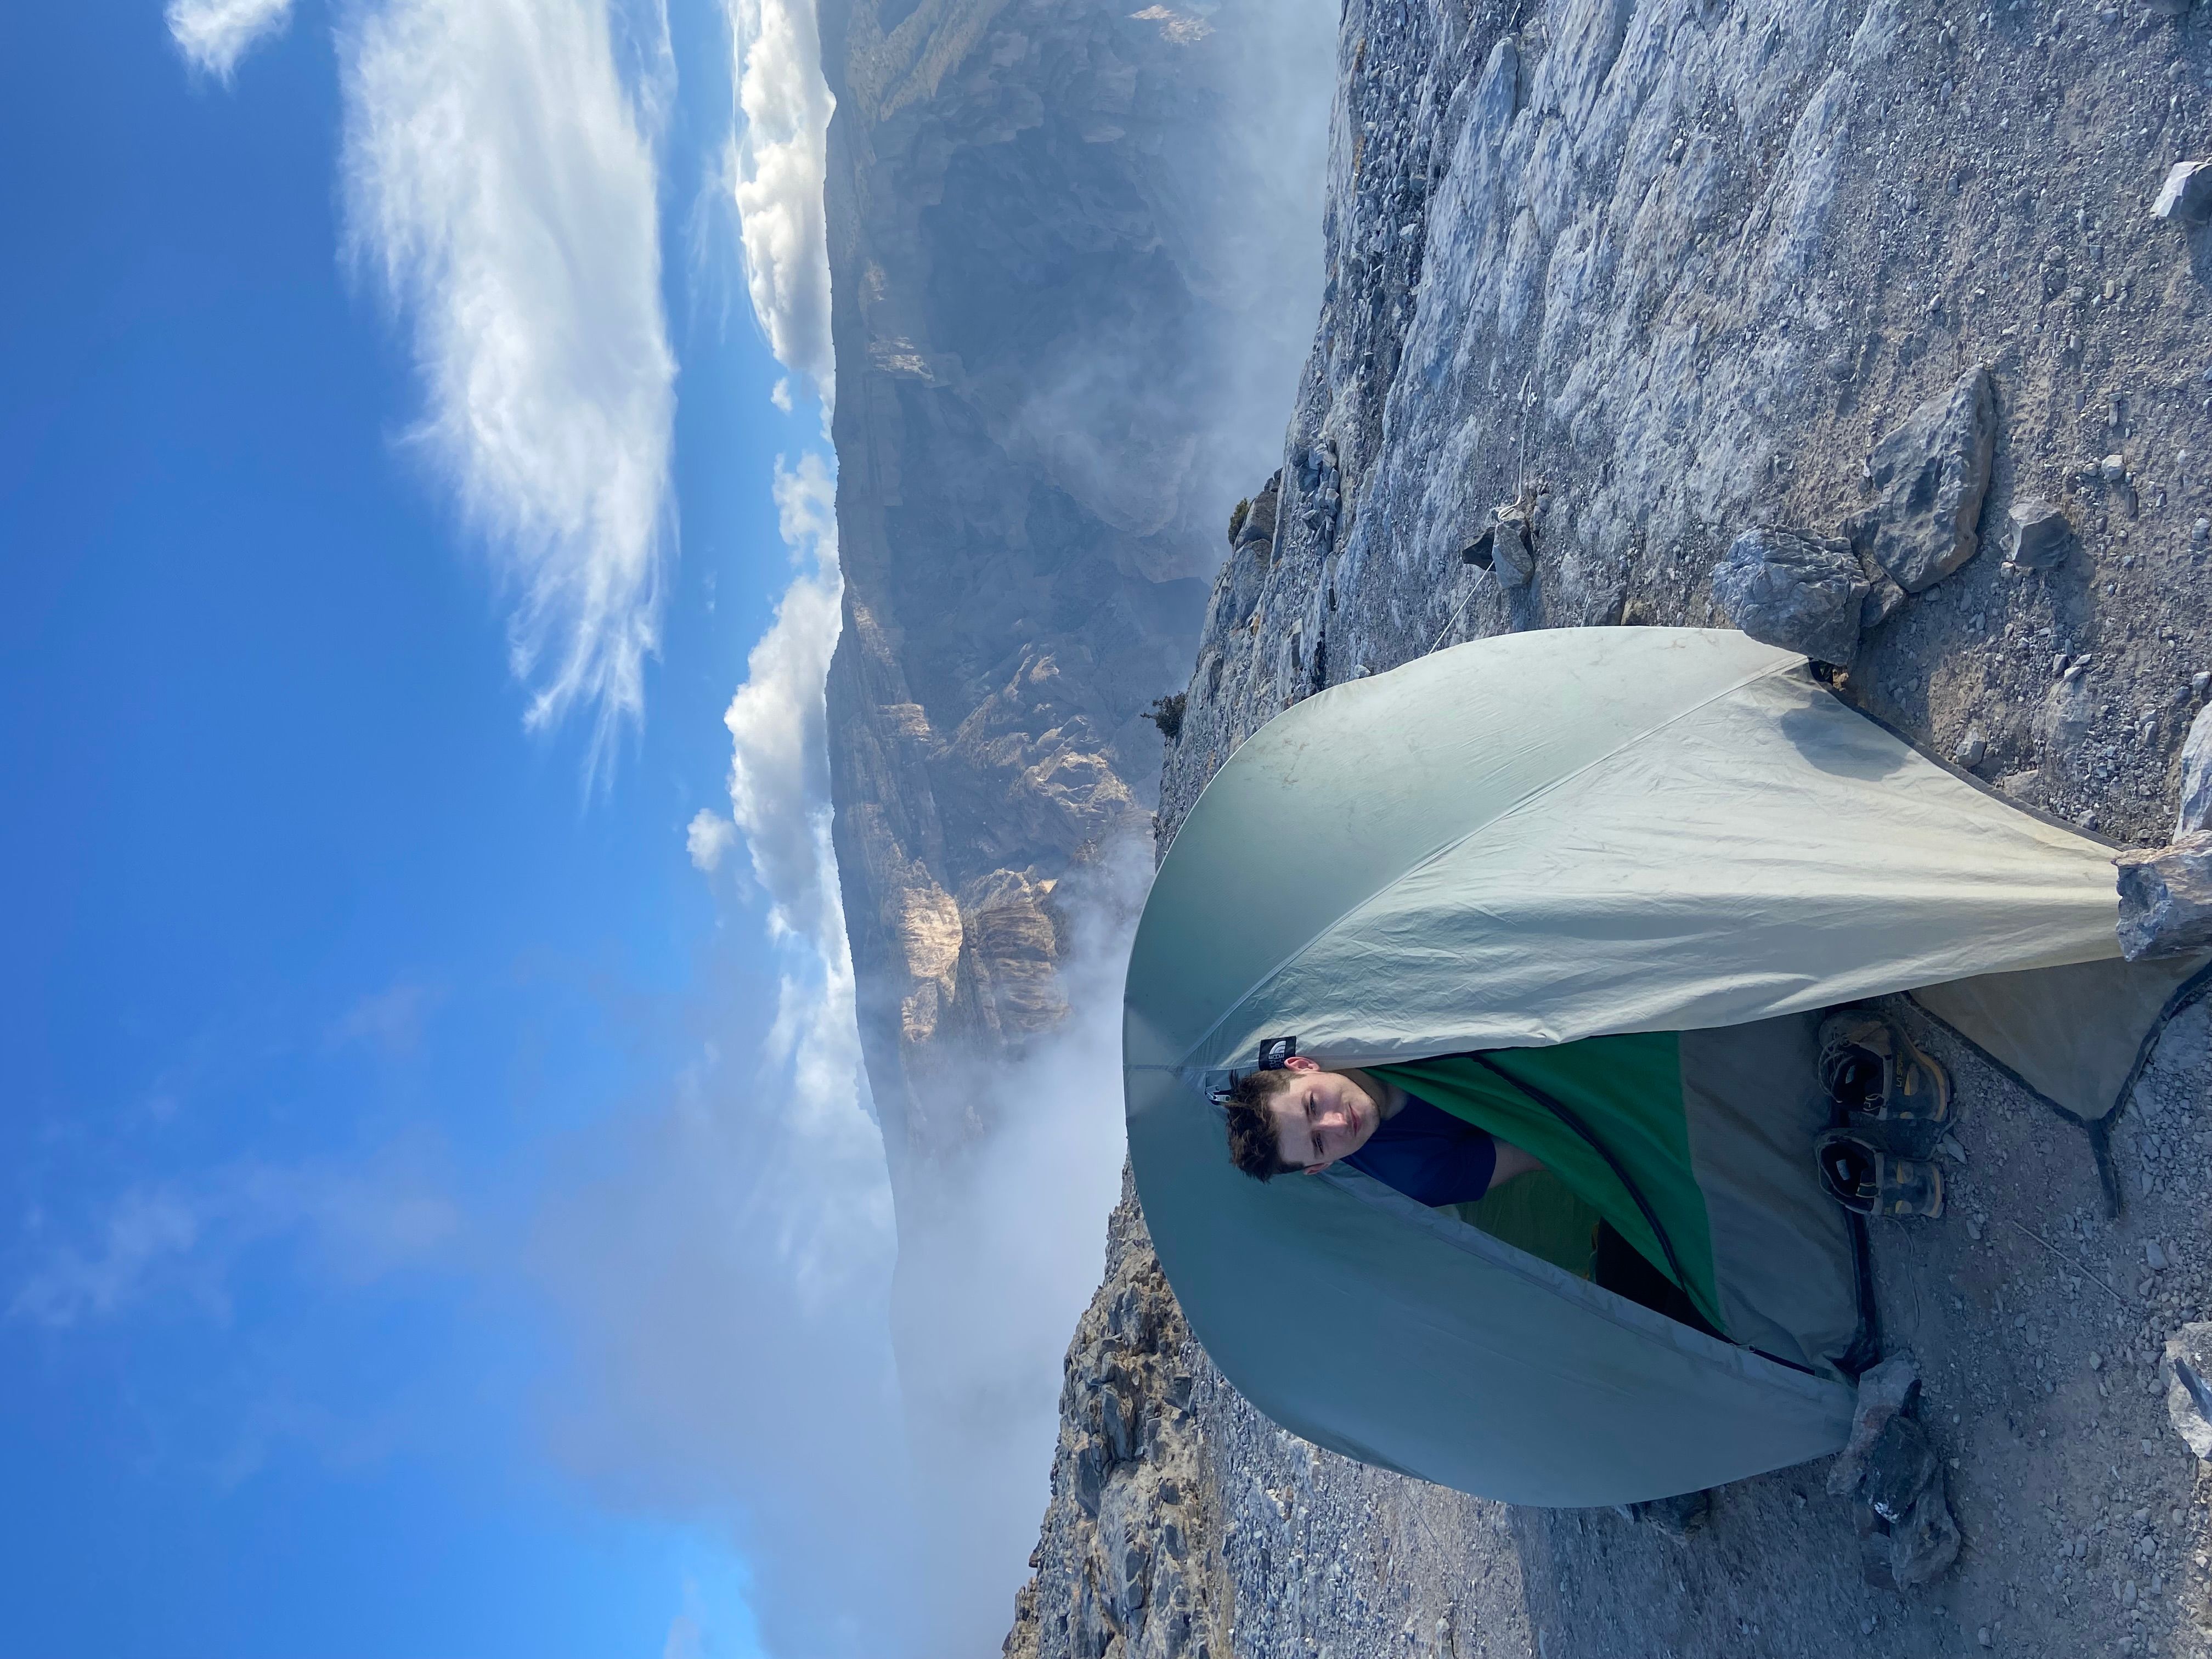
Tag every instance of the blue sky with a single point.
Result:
(364, 987)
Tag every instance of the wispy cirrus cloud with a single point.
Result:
(776, 165)
(180, 1241)
(214, 34)
(500, 183)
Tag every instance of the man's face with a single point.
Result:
(1321, 1116)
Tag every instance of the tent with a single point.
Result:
(1539, 839)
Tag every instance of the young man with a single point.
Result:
(1301, 1117)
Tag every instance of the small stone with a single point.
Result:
(2201, 532)
(2200, 683)
(1982, 1635)
(1972, 748)
(1950, 1148)
(2185, 198)
(2096, 1361)
(2127, 1593)
(2114, 468)
(2154, 1256)
(2166, 897)
(2195, 809)
(2058, 664)
(1931, 473)
(2041, 535)
(1801, 592)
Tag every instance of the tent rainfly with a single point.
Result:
(1545, 838)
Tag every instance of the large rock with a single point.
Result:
(2186, 195)
(2166, 899)
(1885, 1390)
(1259, 524)
(2189, 1387)
(1801, 592)
(1931, 473)
(2196, 808)
(1922, 1546)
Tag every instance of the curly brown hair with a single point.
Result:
(1253, 1147)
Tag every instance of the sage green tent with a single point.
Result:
(1544, 838)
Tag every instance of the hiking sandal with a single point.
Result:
(1873, 1070)
(1863, 1178)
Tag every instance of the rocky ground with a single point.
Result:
(1650, 276)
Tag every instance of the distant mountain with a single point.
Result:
(1075, 259)
(1036, 261)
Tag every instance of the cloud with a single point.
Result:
(707, 837)
(721, 1268)
(180, 1241)
(141, 1232)
(777, 159)
(214, 34)
(780, 802)
(999, 1254)
(499, 182)
(389, 1021)
(779, 723)
(725, 1263)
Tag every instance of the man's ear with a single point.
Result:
(1300, 1063)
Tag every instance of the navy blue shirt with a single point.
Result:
(1429, 1155)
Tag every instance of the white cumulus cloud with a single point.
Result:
(501, 180)
(780, 767)
(708, 838)
(777, 162)
(214, 34)
(779, 802)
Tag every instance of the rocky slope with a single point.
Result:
(1647, 277)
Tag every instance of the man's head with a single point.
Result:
(1297, 1118)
